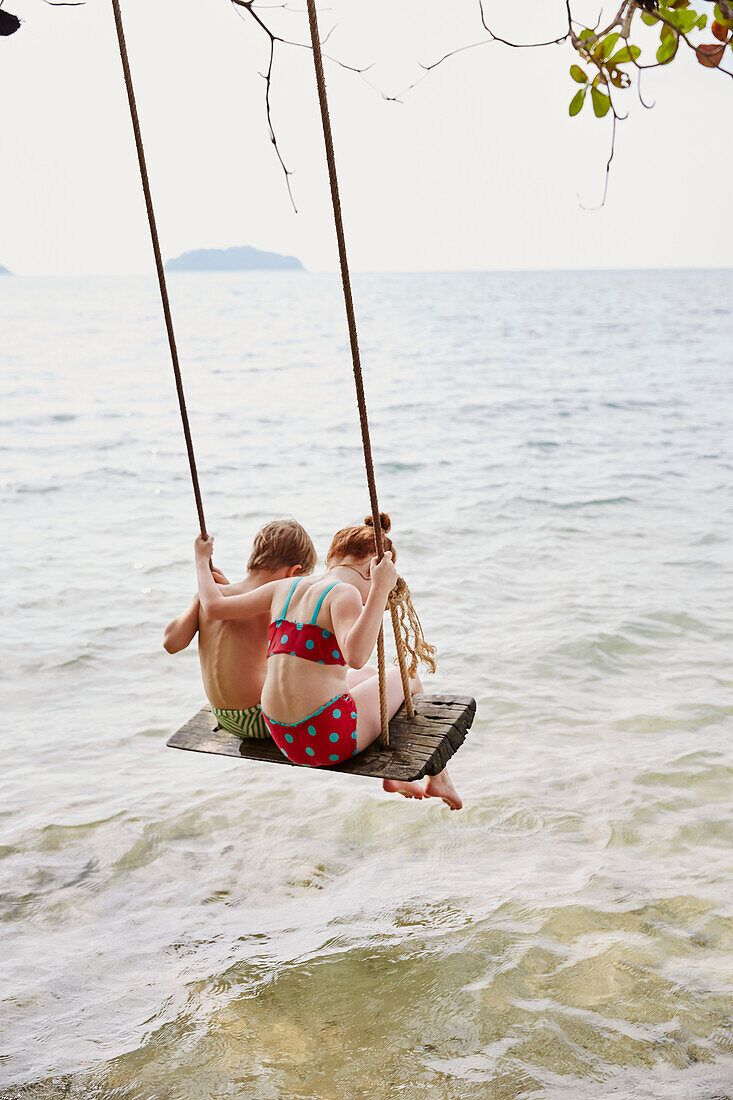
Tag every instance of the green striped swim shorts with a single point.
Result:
(242, 723)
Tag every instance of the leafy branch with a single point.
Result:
(607, 53)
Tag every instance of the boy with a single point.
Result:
(233, 653)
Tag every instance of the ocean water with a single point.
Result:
(554, 449)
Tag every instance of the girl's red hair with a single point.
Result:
(358, 541)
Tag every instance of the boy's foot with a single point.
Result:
(441, 786)
(408, 790)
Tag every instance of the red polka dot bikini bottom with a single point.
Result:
(328, 736)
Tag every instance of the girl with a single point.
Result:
(323, 706)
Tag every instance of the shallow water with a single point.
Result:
(555, 452)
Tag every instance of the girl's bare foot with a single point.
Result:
(409, 790)
(441, 786)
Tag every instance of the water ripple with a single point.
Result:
(187, 927)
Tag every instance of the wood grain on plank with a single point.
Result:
(418, 747)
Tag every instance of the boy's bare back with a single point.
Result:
(233, 655)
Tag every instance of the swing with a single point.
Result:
(427, 729)
(418, 746)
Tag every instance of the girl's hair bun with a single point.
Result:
(384, 521)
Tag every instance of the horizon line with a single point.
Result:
(373, 271)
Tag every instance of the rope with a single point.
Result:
(351, 321)
(159, 263)
(383, 714)
(402, 661)
(345, 277)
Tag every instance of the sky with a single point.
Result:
(478, 167)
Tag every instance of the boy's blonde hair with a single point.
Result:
(281, 543)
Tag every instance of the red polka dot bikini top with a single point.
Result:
(305, 640)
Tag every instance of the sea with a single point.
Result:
(554, 450)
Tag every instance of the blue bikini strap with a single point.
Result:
(284, 611)
(323, 596)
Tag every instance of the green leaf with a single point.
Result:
(586, 33)
(648, 18)
(576, 103)
(624, 55)
(601, 102)
(702, 21)
(578, 75)
(608, 44)
(684, 21)
(667, 50)
(688, 20)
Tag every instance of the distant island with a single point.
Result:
(233, 259)
(4, 270)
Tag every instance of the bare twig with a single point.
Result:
(493, 38)
(274, 40)
(609, 162)
(427, 69)
(643, 102)
(458, 49)
(248, 6)
(526, 45)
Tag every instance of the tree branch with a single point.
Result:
(526, 45)
(592, 44)
(275, 40)
(585, 44)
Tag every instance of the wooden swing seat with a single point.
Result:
(418, 746)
